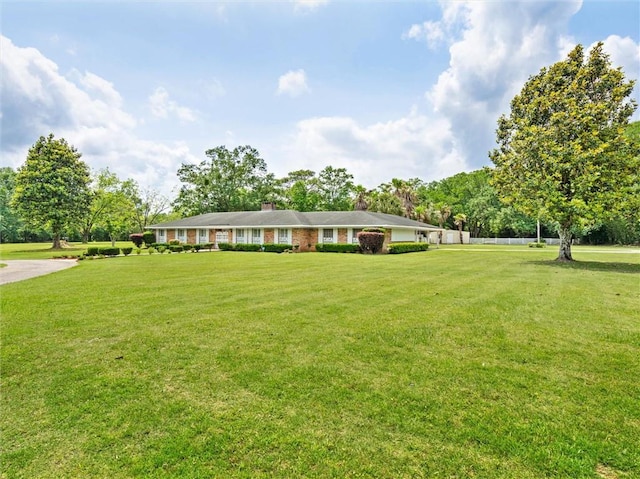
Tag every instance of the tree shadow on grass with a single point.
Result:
(632, 268)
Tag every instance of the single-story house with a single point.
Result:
(301, 230)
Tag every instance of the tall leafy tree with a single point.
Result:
(299, 191)
(10, 222)
(227, 180)
(52, 187)
(562, 153)
(336, 189)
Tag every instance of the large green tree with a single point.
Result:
(52, 187)
(10, 223)
(227, 180)
(562, 153)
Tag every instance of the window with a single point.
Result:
(354, 239)
(256, 236)
(240, 238)
(222, 236)
(182, 235)
(162, 235)
(283, 236)
(203, 236)
(327, 235)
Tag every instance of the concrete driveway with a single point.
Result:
(19, 269)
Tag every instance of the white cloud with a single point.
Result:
(161, 106)
(432, 32)
(415, 145)
(625, 53)
(293, 83)
(491, 56)
(308, 5)
(83, 108)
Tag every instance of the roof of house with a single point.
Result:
(291, 218)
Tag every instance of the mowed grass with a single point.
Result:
(43, 250)
(484, 364)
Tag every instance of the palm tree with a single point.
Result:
(406, 194)
(360, 202)
(459, 220)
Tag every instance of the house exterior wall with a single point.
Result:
(403, 235)
(304, 238)
(268, 235)
(171, 235)
(342, 235)
(191, 236)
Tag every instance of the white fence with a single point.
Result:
(550, 241)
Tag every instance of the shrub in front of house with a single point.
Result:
(535, 244)
(399, 248)
(276, 247)
(137, 239)
(371, 240)
(337, 248)
(247, 247)
(149, 237)
(126, 251)
(176, 248)
(208, 246)
(197, 247)
(92, 251)
(174, 242)
(109, 251)
(225, 246)
(187, 247)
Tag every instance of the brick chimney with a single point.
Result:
(268, 206)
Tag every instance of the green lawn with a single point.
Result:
(453, 363)
(44, 251)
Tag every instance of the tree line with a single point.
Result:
(566, 158)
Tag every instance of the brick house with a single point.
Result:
(302, 230)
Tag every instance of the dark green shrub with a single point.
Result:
(187, 247)
(126, 251)
(209, 246)
(197, 247)
(371, 241)
(174, 242)
(176, 248)
(247, 247)
(535, 244)
(149, 237)
(276, 247)
(399, 248)
(92, 251)
(225, 246)
(137, 239)
(109, 251)
(338, 248)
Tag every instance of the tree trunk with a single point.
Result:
(460, 231)
(565, 244)
(56, 241)
(85, 237)
(113, 240)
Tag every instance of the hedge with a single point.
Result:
(337, 248)
(127, 251)
(149, 237)
(225, 246)
(247, 247)
(399, 248)
(371, 241)
(93, 251)
(276, 247)
(175, 248)
(109, 251)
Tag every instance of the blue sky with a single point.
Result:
(384, 89)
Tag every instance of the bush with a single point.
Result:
(152, 250)
(338, 248)
(247, 247)
(138, 250)
(176, 248)
(109, 251)
(92, 251)
(149, 237)
(399, 248)
(126, 251)
(225, 246)
(197, 247)
(374, 230)
(535, 244)
(137, 239)
(371, 241)
(209, 246)
(162, 249)
(276, 247)
(187, 247)
(174, 242)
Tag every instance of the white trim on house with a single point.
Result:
(203, 238)
(257, 235)
(323, 235)
(181, 234)
(162, 236)
(282, 235)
